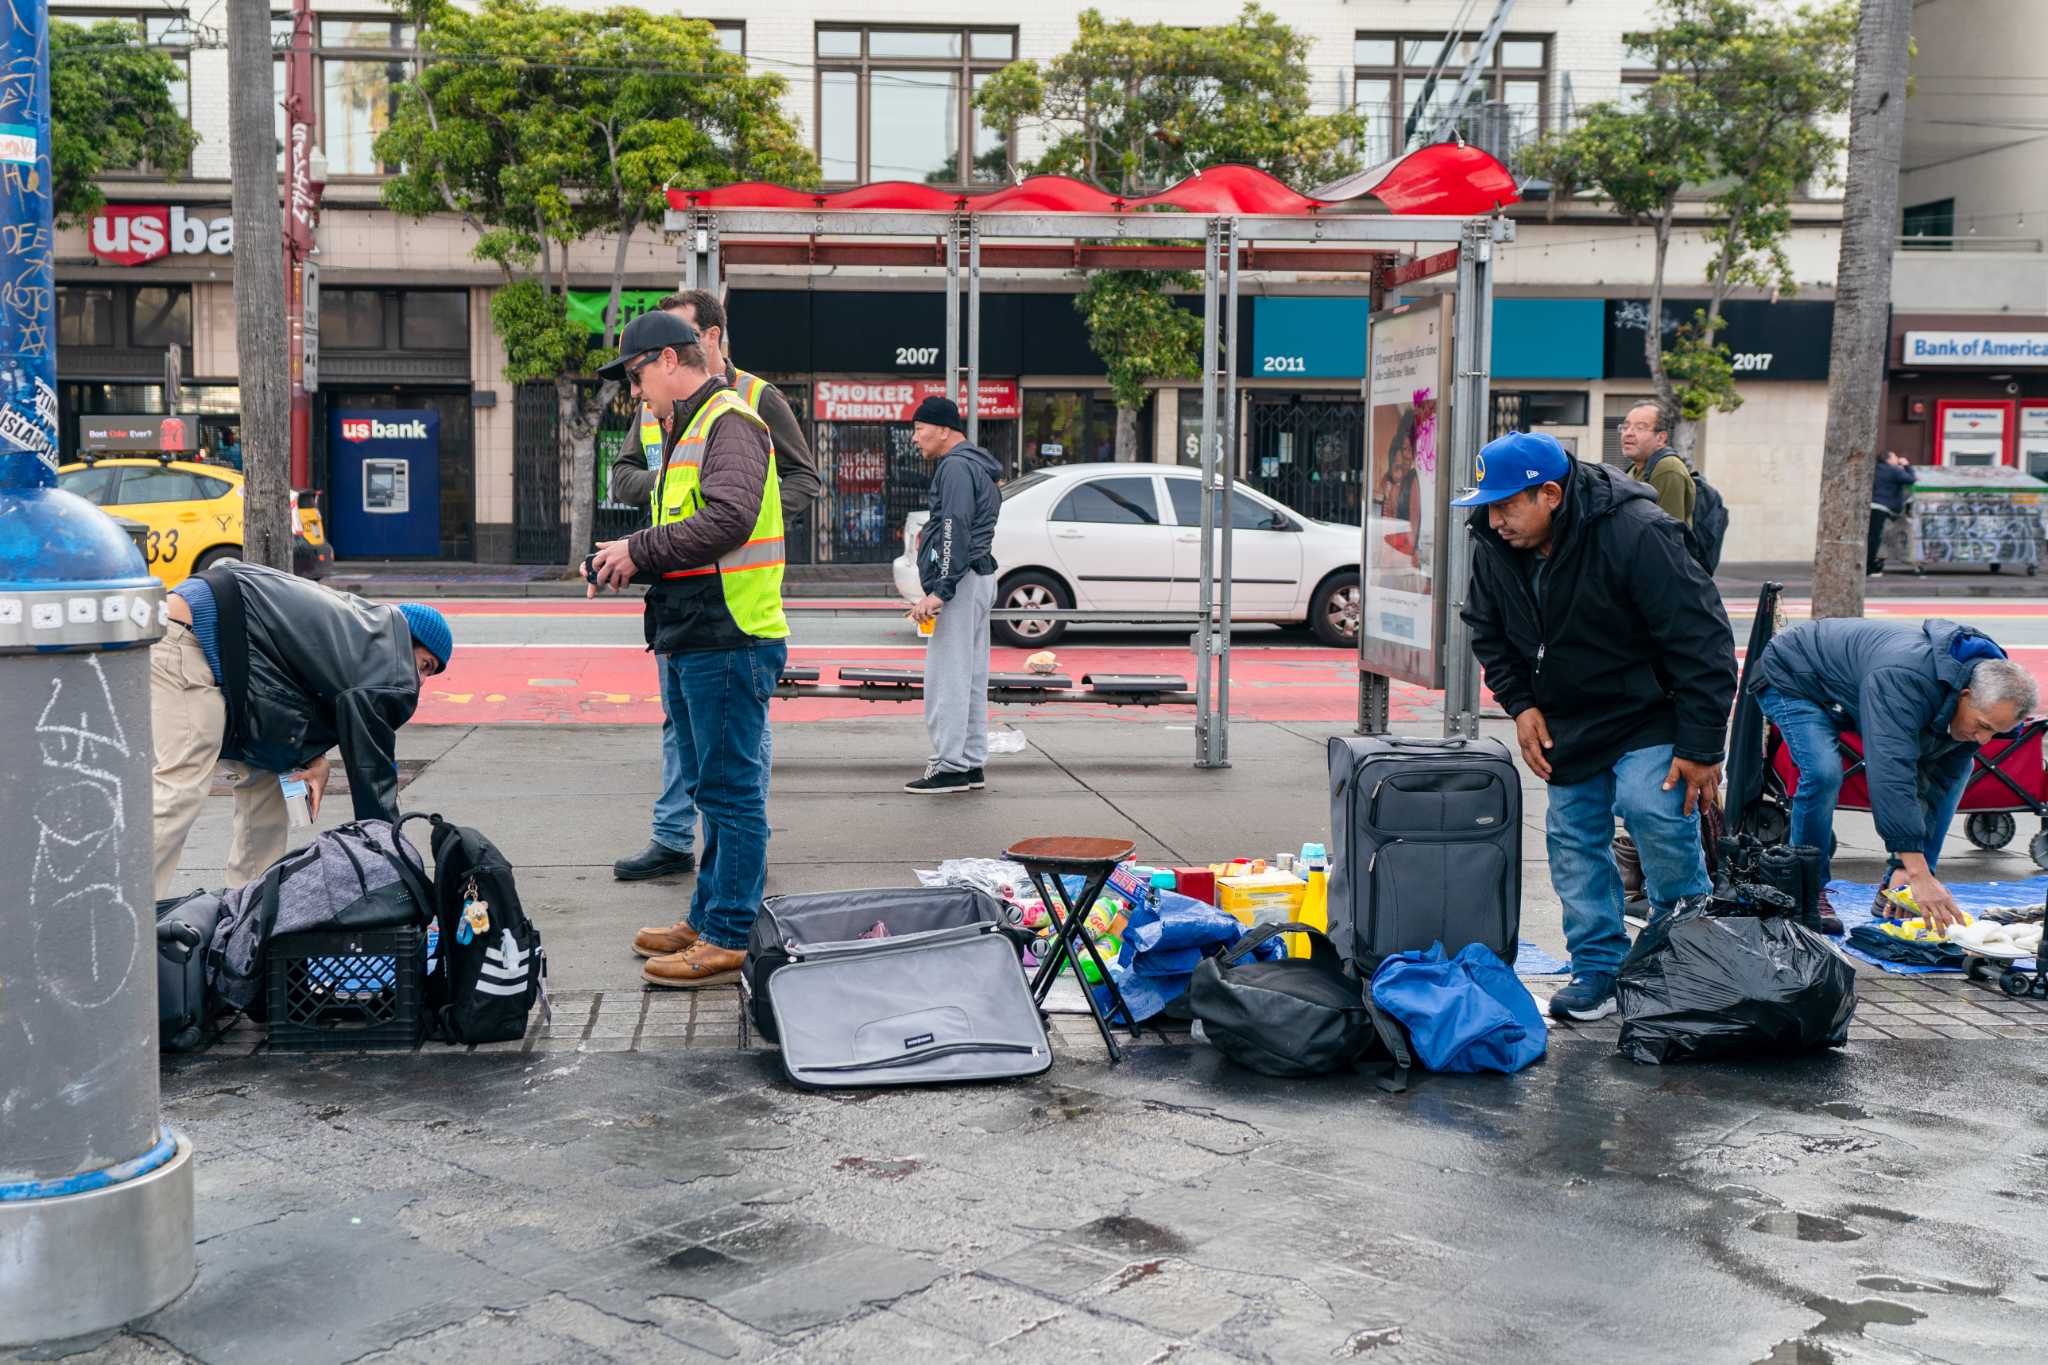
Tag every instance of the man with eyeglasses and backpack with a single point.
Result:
(713, 560)
(669, 850)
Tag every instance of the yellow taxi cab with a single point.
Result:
(193, 513)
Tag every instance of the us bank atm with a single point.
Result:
(384, 484)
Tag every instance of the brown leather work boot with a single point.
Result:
(662, 942)
(700, 964)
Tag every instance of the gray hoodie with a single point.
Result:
(963, 503)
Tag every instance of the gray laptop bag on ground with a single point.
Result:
(894, 986)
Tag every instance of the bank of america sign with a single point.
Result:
(1975, 348)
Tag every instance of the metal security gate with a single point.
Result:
(1507, 415)
(874, 478)
(540, 521)
(1306, 453)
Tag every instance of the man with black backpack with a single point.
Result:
(1605, 640)
(1690, 499)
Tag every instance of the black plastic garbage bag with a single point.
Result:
(1734, 976)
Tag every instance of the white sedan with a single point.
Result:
(1127, 537)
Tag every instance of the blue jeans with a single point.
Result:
(675, 810)
(1809, 732)
(723, 712)
(1580, 835)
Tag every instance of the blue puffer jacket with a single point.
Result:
(1898, 685)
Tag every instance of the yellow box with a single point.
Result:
(1262, 897)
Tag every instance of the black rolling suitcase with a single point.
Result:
(1425, 844)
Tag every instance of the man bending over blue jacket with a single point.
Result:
(1924, 698)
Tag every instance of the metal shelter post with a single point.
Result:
(953, 308)
(972, 403)
(1205, 634)
(1471, 359)
(1226, 353)
(700, 253)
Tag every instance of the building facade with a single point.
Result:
(404, 316)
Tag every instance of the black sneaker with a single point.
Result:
(938, 782)
(655, 860)
(1590, 996)
(975, 779)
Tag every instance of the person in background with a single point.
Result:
(1605, 640)
(1890, 479)
(261, 673)
(956, 567)
(1923, 698)
(669, 851)
(1646, 442)
(713, 561)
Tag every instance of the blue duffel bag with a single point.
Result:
(1465, 1013)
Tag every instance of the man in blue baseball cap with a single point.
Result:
(1607, 643)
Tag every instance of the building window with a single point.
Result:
(897, 104)
(161, 315)
(85, 317)
(351, 319)
(1391, 86)
(1936, 220)
(424, 319)
(362, 66)
(1070, 426)
(433, 320)
(731, 35)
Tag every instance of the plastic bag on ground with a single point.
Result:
(1006, 742)
(1720, 981)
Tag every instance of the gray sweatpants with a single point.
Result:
(956, 677)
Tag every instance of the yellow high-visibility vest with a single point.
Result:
(749, 576)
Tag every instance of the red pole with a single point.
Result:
(301, 211)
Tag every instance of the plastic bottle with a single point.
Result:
(1314, 912)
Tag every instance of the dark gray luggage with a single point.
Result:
(186, 1010)
(1425, 845)
(917, 1009)
(788, 924)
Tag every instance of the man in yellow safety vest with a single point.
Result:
(713, 561)
(674, 835)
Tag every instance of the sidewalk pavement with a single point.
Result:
(637, 1181)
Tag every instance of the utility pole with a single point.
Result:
(1863, 292)
(305, 174)
(261, 334)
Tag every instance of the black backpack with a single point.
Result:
(1295, 1016)
(488, 966)
(1709, 527)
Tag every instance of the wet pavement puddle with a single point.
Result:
(1892, 1284)
(1807, 1227)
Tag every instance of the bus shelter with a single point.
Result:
(1225, 223)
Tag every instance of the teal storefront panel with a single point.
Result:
(1548, 339)
(1314, 338)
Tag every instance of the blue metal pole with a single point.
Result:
(95, 1195)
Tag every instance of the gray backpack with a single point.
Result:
(363, 875)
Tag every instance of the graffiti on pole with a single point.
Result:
(28, 281)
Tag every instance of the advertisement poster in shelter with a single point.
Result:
(1407, 460)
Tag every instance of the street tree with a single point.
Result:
(262, 351)
(1863, 290)
(553, 133)
(110, 110)
(1740, 115)
(1132, 108)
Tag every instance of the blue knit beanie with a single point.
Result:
(429, 630)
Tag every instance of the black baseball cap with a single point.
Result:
(655, 331)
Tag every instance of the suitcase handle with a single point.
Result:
(925, 1054)
(1456, 742)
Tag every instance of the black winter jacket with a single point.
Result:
(304, 670)
(1888, 485)
(1898, 686)
(964, 503)
(1631, 647)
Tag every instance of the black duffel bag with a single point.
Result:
(1296, 1016)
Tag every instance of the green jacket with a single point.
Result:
(1666, 471)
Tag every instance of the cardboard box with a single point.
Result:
(1262, 897)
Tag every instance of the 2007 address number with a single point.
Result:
(916, 355)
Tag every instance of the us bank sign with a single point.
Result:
(1975, 348)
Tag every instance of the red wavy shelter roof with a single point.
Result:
(1449, 179)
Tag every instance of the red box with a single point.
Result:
(1196, 882)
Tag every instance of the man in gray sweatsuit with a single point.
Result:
(956, 568)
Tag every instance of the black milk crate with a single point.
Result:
(347, 991)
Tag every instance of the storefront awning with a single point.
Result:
(1449, 179)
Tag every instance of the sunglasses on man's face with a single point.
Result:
(633, 370)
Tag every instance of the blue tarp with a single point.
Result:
(1855, 900)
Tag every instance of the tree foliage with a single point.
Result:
(110, 110)
(1132, 108)
(1741, 116)
(556, 132)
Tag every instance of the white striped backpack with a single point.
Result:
(488, 966)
